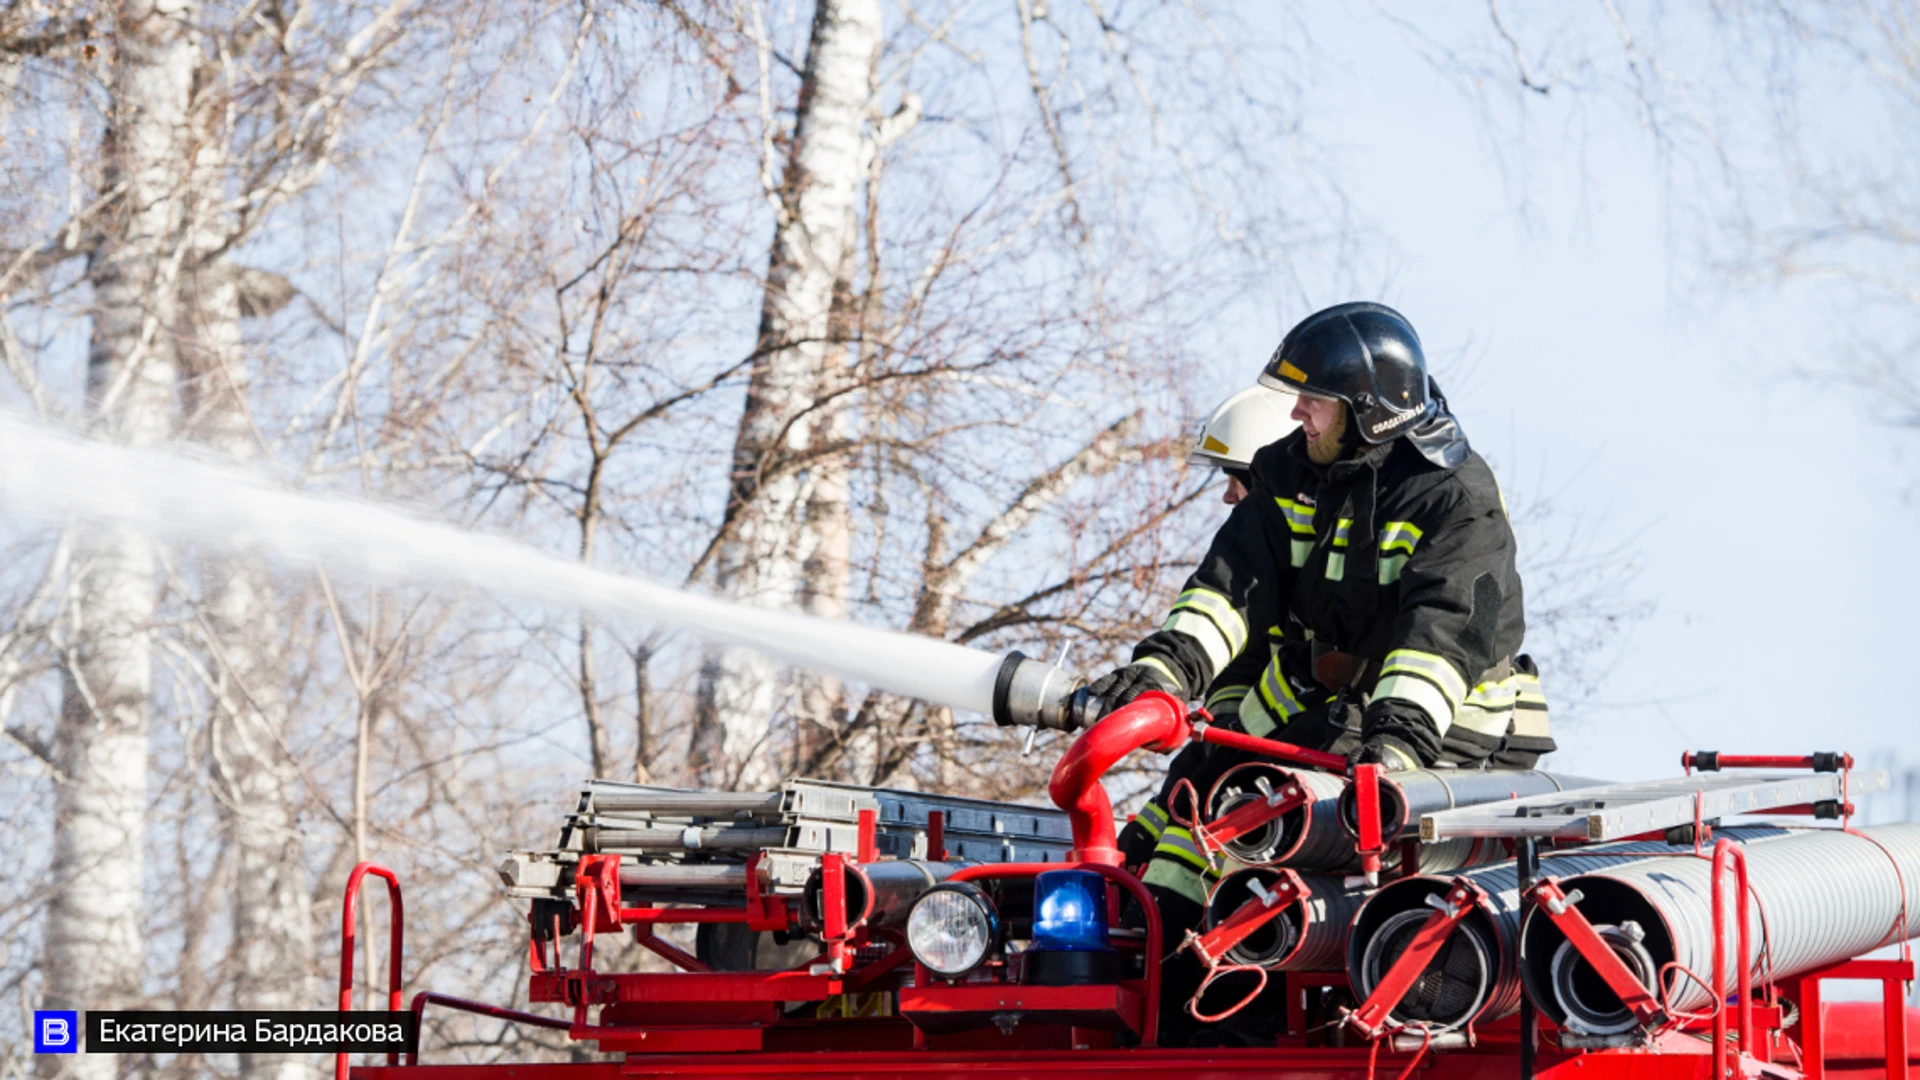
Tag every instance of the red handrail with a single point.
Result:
(1726, 851)
(394, 940)
(497, 1012)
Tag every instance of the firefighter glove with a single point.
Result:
(1387, 751)
(1397, 734)
(1121, 686)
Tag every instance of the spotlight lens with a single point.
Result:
(952, 928)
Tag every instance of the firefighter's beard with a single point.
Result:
(1326, 449)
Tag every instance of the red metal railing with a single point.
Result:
(348, 910)
(1724, 852)
(425, 997)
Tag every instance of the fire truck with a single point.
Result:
(1448, 924)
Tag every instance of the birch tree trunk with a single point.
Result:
(272, 950)
(94, 945)
(761, 558)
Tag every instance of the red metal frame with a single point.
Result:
(1893, 976)
(349, 908)
(1155, 944)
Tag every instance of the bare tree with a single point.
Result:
(95, 945)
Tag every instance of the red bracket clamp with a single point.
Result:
(1251, 815)
(1374, 1016)
(1265, 905)
(1559, 907)
(597, 886)
(764, 911)
(1370, 845)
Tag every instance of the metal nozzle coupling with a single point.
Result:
(1029, 693)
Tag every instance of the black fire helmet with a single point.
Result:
(1364, 354)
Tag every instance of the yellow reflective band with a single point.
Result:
(1152, 819)
(1299, 515)
(1277, 694)
(1492, 721)
(1419, 691)
(1390, 568)
(1336, 566)
(1178, 843)
(1225, 696)
(1255, 720)
(1404, 535)
(1531, 695)
(1158, 665)
(1204, 630)
(1434, 669)
(1494, 695)
(1176, 878)
(1340, 532)
(1301, 549)
(1218, 608)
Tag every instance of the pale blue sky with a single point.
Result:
(1767, 516)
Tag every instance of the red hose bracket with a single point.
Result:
(597, 885)
(1559, 908)
(1374, 1017)
(1259, 910)
(1250, 815)
(764, 912)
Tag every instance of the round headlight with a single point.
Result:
(953, 928)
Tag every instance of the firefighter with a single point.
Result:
(1250, 420)
(1375, 556)
(1256, 417)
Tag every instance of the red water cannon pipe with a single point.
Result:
(1152, 721)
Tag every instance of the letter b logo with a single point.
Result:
(56, 1031)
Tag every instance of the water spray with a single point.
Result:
(56, 476)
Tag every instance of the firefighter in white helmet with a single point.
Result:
(1253, 418)
(1232, 434)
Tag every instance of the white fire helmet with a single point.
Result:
(1243, 424)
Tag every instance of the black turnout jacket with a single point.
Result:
(1389, 574)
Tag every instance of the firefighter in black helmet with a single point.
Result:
(1370, 575)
